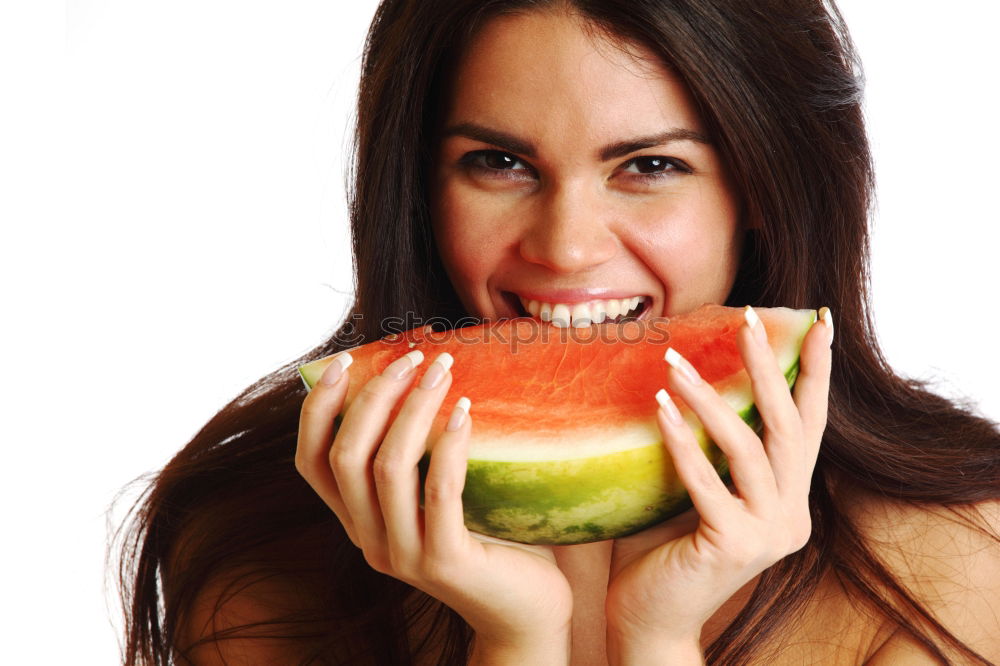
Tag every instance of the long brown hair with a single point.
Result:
(778, 85)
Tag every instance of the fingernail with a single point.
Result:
(668, 407)
(458, 414)
(679, 362)
(438, 368)
(335, 370)
(827, 317)
(402, 366)
(753, 321)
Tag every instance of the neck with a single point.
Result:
(586, 567)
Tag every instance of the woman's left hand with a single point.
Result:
(668, 580)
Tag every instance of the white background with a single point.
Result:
(174, 227)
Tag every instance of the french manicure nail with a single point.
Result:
(753, 321)
(438, 368)
(458, 414)
(335, 370)
(681, 363)
(827, 317)
(668, 407)
(404, 365)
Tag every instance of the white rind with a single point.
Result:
(588, 441)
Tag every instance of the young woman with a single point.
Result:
(683, 151)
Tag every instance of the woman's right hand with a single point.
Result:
(514, 597)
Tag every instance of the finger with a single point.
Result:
(629, 548)
(316, 431)
(713, 501)
(397, 478)
(359, 436)
(812, 388)
(444, 521)
(782, 436)
(748, 464)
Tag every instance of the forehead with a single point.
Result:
(549, 73)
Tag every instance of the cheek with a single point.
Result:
(462, 224)
(693, 245)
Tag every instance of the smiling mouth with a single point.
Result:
(578, 315)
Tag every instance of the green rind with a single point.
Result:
(577, 501)
(309, 374)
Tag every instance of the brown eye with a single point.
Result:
(494, 159)
(497, 163)
(651, 165)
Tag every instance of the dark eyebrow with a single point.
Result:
(504, 140)
(622, 148)
(513, 144)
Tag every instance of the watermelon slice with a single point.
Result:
(564, 447)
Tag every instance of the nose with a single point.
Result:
(569, 230)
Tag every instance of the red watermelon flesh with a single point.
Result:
(564, 445)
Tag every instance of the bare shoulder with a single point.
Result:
(949, 558)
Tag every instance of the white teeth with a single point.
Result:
(599, 311)
(614, 308)
(581, 315)
(560, 315)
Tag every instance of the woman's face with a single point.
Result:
(573, 174)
